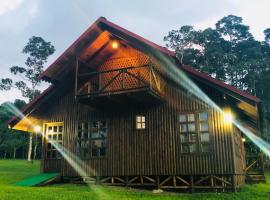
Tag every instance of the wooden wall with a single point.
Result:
(154, 151)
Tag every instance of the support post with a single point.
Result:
(158, 182)
(97, 180)
(126, 181)
(191, 179)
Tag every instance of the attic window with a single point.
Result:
(140, 122)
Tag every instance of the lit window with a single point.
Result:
(140, 122)
(54, 133)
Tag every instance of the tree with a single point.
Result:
(267, 34)
(180, 40)
(38, 51)
(10, 140)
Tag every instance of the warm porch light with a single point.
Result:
(115, 44)
(228, 117)
(243, 139)
(37, 129)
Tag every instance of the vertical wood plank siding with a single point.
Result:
(153, 151)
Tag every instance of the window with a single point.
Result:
(140, 122)
(91, 139)
(54, 133)
(194, 132)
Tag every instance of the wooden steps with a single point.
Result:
(255, 178)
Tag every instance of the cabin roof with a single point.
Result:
(99, 26)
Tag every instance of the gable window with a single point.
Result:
(140, 122)
(91, 139)
(54, 133)
(194, 133)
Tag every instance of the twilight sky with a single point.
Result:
(62, 21)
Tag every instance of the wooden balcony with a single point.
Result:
(122, 86)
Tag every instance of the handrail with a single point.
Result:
(121, 79)
(111, 70)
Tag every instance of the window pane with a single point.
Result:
(192, 148)
(54, 137)
(94, 152)
(203, 126)
(203, 116)
(138, 119)
(138, 125)
(60, 129)
(96, 143)
(193, 137)
(191, 127)
(185, 148)
(79, 134)
(95, 135)
(85, 134)
(205, 147)
(191, 118)
(182, 118)
(143, 118)
(104, 133)
(205, 137)
(184, 137)
(60, 136)
(143, 125)
(102, 124)
(49, 129)
(49, 137)
(102, 151)
(55, 129)
(183, 128)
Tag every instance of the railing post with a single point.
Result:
(123, 78)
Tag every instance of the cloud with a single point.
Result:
(9, 5)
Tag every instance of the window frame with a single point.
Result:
(48, 143)
(89, 143)
(198, 143)
(141, 122)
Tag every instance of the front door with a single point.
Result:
(52, 142)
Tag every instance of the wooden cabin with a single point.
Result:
(134, 116)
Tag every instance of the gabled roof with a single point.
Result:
(101, 25)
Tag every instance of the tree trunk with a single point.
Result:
(14, 153)
(30, 147)
(35, 148)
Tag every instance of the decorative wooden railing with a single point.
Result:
(120, 80)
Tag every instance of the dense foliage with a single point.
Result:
(12, 143)
(228, 52)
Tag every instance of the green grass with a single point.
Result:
(12, 171)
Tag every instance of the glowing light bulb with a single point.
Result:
(243, 139)
(37, 129)
(115, 45)
(228, 117)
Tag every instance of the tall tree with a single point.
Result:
(180, 40)
(38, 51)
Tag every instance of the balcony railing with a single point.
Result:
(115, 81)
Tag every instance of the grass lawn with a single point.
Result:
(12, 171)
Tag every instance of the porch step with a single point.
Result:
(255, 178)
